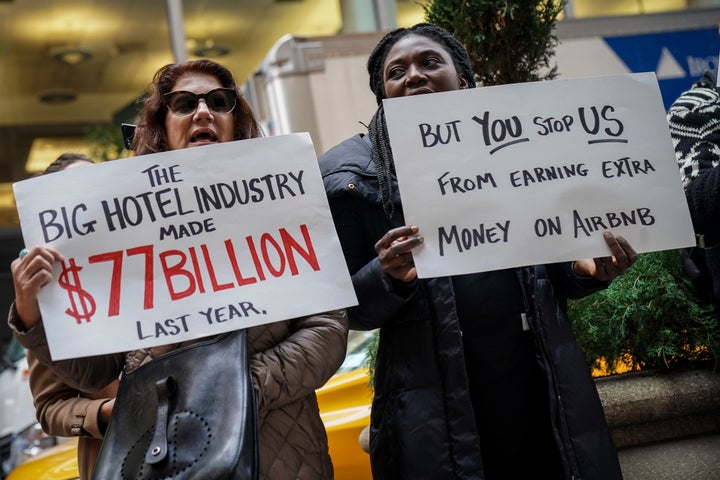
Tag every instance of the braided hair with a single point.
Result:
(377, 130)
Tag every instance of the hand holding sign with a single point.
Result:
(608, 268)
(178, 251)
(394, 250)
(180, 243)
(533, 173)
(30, 273)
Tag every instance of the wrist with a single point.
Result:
(579, 271)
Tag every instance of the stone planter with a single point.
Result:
(666, 425)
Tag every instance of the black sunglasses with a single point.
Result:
(182, 103)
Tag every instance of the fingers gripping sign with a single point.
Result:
(394, 251)
(31, 271)
(622, 257)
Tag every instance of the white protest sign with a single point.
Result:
(178, 245)
(532, 173)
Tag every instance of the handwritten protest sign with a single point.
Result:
(532, 173)
(179, 245)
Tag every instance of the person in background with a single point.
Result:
(193, 104)
(62, 410)
(477, 376)
(694, 120)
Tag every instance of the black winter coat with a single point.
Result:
(422, 423)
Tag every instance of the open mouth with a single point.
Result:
(203, 137)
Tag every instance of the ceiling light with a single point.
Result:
(71, 55)
(45, 150)
(208, 48)
(57, 97)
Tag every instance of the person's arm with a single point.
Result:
(380, 296)
(30, 273)
(694, 120)
(88, 373)
(583, 277)
(62, 410)
(301, 363)
(571, 285)
(703, 198)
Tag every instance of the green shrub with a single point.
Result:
(106, 141)
(649, 317)
(508, 41)
(371, 355)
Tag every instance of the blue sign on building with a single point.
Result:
(678, 58)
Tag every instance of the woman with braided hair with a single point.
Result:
(477, 376)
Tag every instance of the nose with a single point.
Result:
(414, 75)
(202, 110)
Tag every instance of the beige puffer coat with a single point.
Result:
(289, 361)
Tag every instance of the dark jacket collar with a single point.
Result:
(348, 168)
(353, 154)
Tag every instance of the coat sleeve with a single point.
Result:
(568, 284)
(61, 410)
(88, 373)
(379, 296)
(301, 363)
(694, 120)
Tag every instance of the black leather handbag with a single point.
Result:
(188, 414)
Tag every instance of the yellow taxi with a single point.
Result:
(345, 410)
(56, 463)
(344, 407)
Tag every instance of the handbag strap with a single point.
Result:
(158, 448)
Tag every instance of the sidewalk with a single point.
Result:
(666, 425)
(695, 458)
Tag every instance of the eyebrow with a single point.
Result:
(423, 53)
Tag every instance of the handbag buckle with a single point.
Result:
(157, 451)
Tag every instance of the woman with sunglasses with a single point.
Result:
(193, 104)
